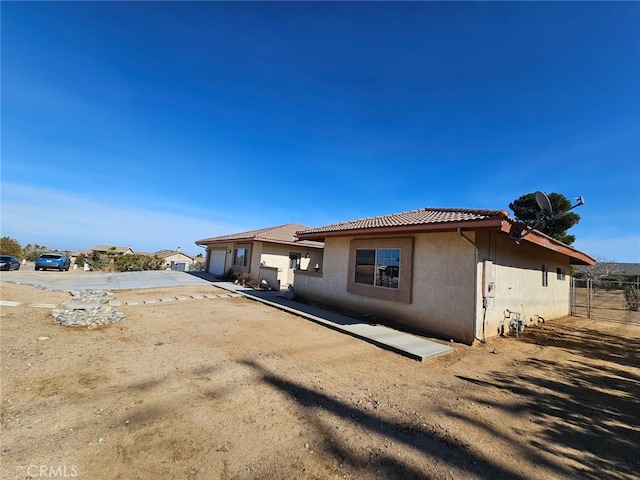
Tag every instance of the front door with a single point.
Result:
(294, 264)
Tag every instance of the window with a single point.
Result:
(560, 273)
(294, 261)
(240, 257)
(545, 276)
(379, 267)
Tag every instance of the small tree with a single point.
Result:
(526, 210)
(601, 269)
(9, 246)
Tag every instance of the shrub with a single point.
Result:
(97, 261)
(137, 262)
(230, 275)
(196, 267)
(244, 278)
(631, 296)
(80, 259)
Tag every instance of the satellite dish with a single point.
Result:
(546, 211)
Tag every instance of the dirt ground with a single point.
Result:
(228, 388)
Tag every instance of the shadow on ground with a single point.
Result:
(586, 412)
(437, 449)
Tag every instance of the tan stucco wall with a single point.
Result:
(443, 286)
(270, 255)
(277, 255)
(447, 282)
(518, 279)
(255, 259)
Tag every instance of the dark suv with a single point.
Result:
(53, 260)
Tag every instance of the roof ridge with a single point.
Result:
(278, 227)
(280, 233)
(483, 211)
(461, 209)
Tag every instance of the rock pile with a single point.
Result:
(87, 308)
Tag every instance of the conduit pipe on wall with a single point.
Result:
(475, 288)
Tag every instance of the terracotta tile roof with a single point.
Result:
(283, 234)
(413, 218)
(440, 219)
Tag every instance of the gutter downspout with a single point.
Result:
(475, 287)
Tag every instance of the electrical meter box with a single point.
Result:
(488, 279)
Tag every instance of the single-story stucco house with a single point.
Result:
(271, 254)
(453, 273)
(175, 259)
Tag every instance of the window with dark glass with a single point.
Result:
(240, 257)
(294, 261)
(560, 273)
(545, 276)
(379, 267)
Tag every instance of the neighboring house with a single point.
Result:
(629, 272)
(107, 248)
(175, 259)
(609, 271)
(270, 254)
(455, 273)
(77, 253)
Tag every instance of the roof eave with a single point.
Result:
(206, 242)
(211, 241)
(538, 238)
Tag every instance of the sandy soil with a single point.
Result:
(228, 388)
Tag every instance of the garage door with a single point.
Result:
(216, 261)
(179, 266)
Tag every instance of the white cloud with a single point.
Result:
(67, 221)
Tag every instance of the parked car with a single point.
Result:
(7, 262)
(53, 260)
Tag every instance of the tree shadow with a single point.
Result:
(588, 342)
(584, 413)
(380, 464)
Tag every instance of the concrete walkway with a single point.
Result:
(406, 344)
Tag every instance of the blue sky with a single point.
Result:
(157, 124)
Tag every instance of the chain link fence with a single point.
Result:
(605, 300)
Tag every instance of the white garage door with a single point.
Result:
(216, 261)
